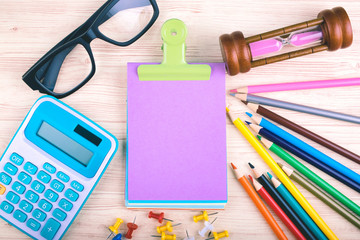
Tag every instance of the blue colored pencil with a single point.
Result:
(307, 148)
(305, 156)
(297, 208)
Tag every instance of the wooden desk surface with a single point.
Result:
(28, 29)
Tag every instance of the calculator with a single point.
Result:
(50, 168)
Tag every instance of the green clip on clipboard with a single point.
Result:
(176, 140)
(174, 65)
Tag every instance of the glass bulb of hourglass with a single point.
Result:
(272, 45)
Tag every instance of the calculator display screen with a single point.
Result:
(65, 143)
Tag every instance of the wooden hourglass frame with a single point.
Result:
(333, 25)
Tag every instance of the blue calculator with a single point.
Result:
(50, 168)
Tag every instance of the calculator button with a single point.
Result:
(26, 206)
(51, 195)
(72, 195)
(65, 204)
(45, 205)
(58, 186)
(17, 159)
(5, 179)
(37, 186)
(39, 215)
(31, 196)
(2, 189)
(33, 225)
(18, 187)
(10, 169)
(44, 177)
(59, 215)
(77, 186)
(20, 216)
(24, 178)
(30, 168)
(50, 168)
(50, 229)
(12, 197)
(7, 207)
(63, 177)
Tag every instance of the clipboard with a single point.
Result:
(176, 130)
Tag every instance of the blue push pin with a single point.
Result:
(117, 237)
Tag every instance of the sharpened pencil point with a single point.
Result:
(251, 178)
(248, 123)
(270, 176)
(233, 90)
(252, 166)
(249, 114)
(232, 94)
(233, 166)
(259, 137)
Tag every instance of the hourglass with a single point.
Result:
(330, 31)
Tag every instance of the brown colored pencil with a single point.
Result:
(304, 132)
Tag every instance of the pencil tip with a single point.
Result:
(252, 166)
(233, 166)
(258, 136)
(251, 178)
(233, 90)
(232, 94)
(270, 176)
(249, 114)
(248, 123)
(244, 102)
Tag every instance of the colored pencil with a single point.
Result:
(258, 203)
(296, 107)
(280, 174)
(276, 208)
(322, 196)
(282, 203)
(307, 148)
(305, 156)
(311, 176)
(304, 132)
(345, 82)
(297, 208)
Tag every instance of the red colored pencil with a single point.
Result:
(274, 206)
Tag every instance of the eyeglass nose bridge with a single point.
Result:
(89, 36)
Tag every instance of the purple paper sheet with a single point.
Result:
(176, 138)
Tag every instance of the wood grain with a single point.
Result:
(28, 29)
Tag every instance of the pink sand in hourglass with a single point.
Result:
(273, 45)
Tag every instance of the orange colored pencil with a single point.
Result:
(258, 203)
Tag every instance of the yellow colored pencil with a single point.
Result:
(280, 174)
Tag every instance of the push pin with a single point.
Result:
(114, 229)
(166, 227)
(217, 236)
(117, 237)
(159, 217)
(165, 236)
(203, 216)
(208, 227)
(187, 236)
(131, 228)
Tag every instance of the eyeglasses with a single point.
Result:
(70, 64)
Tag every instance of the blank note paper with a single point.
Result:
(176, 142)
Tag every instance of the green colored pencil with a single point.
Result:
(321, 195)
(311, 175)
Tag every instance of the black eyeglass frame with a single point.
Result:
(83, 35)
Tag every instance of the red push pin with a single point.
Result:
(131, 228)
(159, 217)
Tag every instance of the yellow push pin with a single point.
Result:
(217, 236)
(167, 227)
(164, 236)
(203, 216)
(114, 229)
